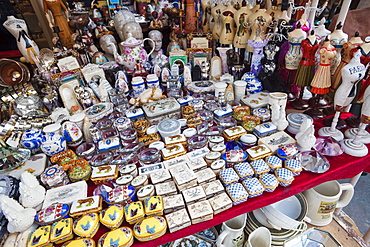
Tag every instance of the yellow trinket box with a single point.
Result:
(40, 237)
(154, 206)
(176, 139)
(150, 228)
(61, 231)
(150, 138)
(113, 216)
(121, 237)
(134, 212)
(82, 242)
(87, 225)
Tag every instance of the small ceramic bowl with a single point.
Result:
(189, 132)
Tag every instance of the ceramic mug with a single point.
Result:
(239, 89)
(138, 85)
(324, 198)
(220, 87)
(152, 81)
(232, 232)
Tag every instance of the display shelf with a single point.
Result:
(342, 167)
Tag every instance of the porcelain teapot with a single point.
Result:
(133, 51)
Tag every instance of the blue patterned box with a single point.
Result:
(274, 162)
(237, 193)
(253, 187)
(244, 170)
(228, 176)
(269, 182)
(265, 129)
(284, 176)
(294, 166)
(260, 167)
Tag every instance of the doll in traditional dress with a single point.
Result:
(337, 39)
(56, 6)
(321, 81)
(306, 68)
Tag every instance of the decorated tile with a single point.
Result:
(160, 176)
(228, 176)
(86, 226)
(220, 203)
(213, 188)
(194, 194)
(167, 188)
(150, 228)
(253, 187)
(85, 205)
(153, 205)
(269, 182)
(237, 193)
(205, 175)
(178, 220)
(40, 237)
(61, 231)
(52, 213)
(83, 242)
(112, 216)
(120, 237)
(134, 212)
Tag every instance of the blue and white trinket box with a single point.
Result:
(269, 182)
(284, 176)
(260, 167)
(274, 162)
(265, 129)
(228, 176)
(294, 166)
(253, 187)
(244, 170)
(237, 193)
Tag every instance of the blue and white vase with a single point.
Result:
(31, 140)
(52, 142)
(254, 85)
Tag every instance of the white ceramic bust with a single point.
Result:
(20, 219)
(120, 19)
(18, 28)
(134, 29)
(32, 193)
(109, 45)
(157, 37)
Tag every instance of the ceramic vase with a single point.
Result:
(52, 141)
(152, 81)
(138, 86)
(254, 85)
(31, 140)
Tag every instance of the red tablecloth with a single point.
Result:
(341, 167)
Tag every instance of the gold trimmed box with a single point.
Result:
(200, 211)
(234, 133)
(173, 151)
(178, 220)
(101, 174)
(258, 152)
(176, 139)
(220, 203)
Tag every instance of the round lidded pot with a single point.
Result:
(169, 127)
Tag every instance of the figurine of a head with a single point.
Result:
(157, 37)
(108, 44)
(134, 29)
(120, 19)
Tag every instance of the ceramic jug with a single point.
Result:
(325, 198)
(133, 51)
(232, 234)
(261, 237)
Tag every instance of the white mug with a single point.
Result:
(220, 87)
(239, 89)
(232, 234)
(324, 198)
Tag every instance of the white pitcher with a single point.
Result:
(324, 198)
(261, 237)
(232, 234)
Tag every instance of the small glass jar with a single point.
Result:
(86, 150)
(101, 159)
(227, 122)
(128, 135)
(197, 142)
(149, 156)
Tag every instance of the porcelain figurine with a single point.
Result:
(347, 55)
(259, 21)
(148, 95)
(242, 32)
(32, 193)
(294, 55)
(109, 45)
(278, 117)
(217, 17)
(120, 19)
(257, 56)
(133, 52)
(337, 39)
(306, 136)
(18, 28)
(352, 73)
(20, 219)
(228, 27)
(64, 31)
(206, 17)
(134, 29)
(306, 68)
